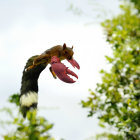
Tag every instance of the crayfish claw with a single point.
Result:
(68, 71)
(74, 63)
(61, 71)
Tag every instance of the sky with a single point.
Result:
(30, 27)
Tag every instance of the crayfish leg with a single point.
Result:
(53, 73)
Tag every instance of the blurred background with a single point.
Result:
(29, 28)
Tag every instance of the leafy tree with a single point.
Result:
(137, 4)
(116, 100)
(32, 128)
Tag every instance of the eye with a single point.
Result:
(66, 52)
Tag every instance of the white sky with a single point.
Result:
(30, 27)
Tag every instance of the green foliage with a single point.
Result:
(109, 136)
(136, 3)
(14, 99)
(116, 100)
(32, 128)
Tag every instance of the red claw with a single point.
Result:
(61, 70)
(74, 63)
